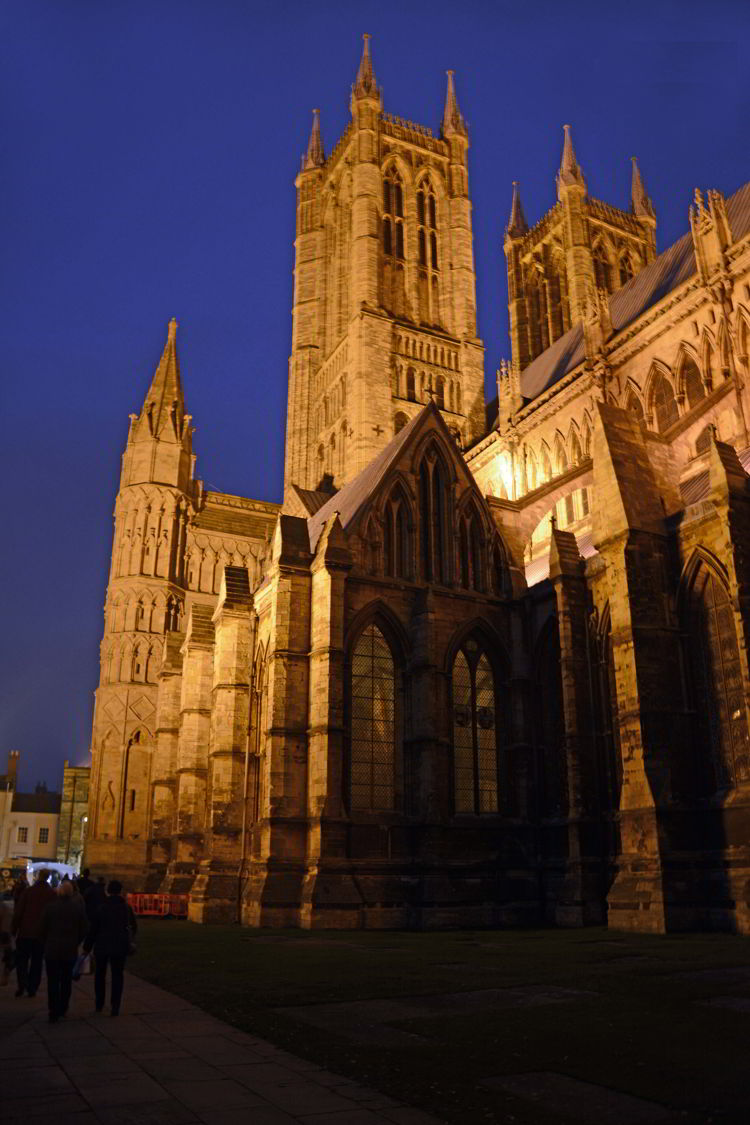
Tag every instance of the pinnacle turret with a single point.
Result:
(641, 204)
(365, 85)
(570, 170)
(315, 156)
(517, 224)
(164, 405)
(453, 121)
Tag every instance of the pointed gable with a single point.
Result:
(355, 497)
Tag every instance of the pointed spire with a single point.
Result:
(164, 406)
(365, 84)
(517, 224)
(570, 170)
(315, 156)
(453, 121)
(642, 205)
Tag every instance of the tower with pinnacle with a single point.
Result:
(384, 314)
(581, 244)
(145, 599)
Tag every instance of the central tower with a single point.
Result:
(384, 313)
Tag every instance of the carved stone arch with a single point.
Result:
(435, 440)
(699, 556)
(743, 333)
(378, 613)
(545, 463)
(724, 349)
(561, 456)
(575, 449)
(587, 433)
(662, 409)
(532, 470)
(632, 399)
(371, 539)
(689, 379)
(491, 641)
(709, 360)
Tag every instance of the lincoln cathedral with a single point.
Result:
(486, 664)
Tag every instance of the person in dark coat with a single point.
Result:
(64, 926)
(84, 883)
(27, 920)
(111, 936)
(95, 897)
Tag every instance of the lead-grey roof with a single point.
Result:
(675, 266)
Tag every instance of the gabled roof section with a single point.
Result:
(671, 269)
(354, 496)
(306, 501)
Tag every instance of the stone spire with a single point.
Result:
(453, 121)
(517, 224)
(164, 405)
(365, 85)
(570, 170)
(642, 205)
(315, 156)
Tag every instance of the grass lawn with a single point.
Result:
(633, 1019)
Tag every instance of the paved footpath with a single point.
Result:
(164, 1062)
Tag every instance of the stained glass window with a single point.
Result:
(475, 761)
(372, 773)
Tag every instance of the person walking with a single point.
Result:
(63, 928)
(95, 897)
(27, 920)
(111, 937)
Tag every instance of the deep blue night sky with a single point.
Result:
(147, 158)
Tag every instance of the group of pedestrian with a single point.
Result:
(49, 928)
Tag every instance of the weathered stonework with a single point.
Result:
(463, 676)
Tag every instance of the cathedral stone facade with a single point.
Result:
(480, 667)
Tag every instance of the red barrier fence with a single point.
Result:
(159, 906)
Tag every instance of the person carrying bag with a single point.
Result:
(111, 937)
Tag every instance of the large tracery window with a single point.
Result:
(372, 746)
(692, 381)
(475, 732)
(433, 519)
(719, 698)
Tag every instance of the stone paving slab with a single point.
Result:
(583, 1101)
(166, 1062)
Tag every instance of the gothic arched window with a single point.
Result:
(433, 519)
(427, 253)
(663, 403)
(634, 405)
(397, 536)
(602, 269)
(626, 269)
(372, 724)
(550, 726)
(692, 381)
(720, 719)
(475, 732)
(470, 550)
(394, 285)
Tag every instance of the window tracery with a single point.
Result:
(433, 518)
(476, 787)
(372, 724)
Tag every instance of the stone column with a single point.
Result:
(215, 893)
(580, 901)
(164, 762)
(192, 750)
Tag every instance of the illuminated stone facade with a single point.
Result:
(465, 675)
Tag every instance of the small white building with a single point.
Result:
(28, 821)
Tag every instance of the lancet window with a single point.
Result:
(470, 550)
(433, 517)
(692, 381)
(372, 724)
(397, 536)
(602, 269)
(663, 403)
(394, 286)
(626, 269)
(717, 682)
(475, 731)
(427, 254)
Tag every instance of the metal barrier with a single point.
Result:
(159, 906)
